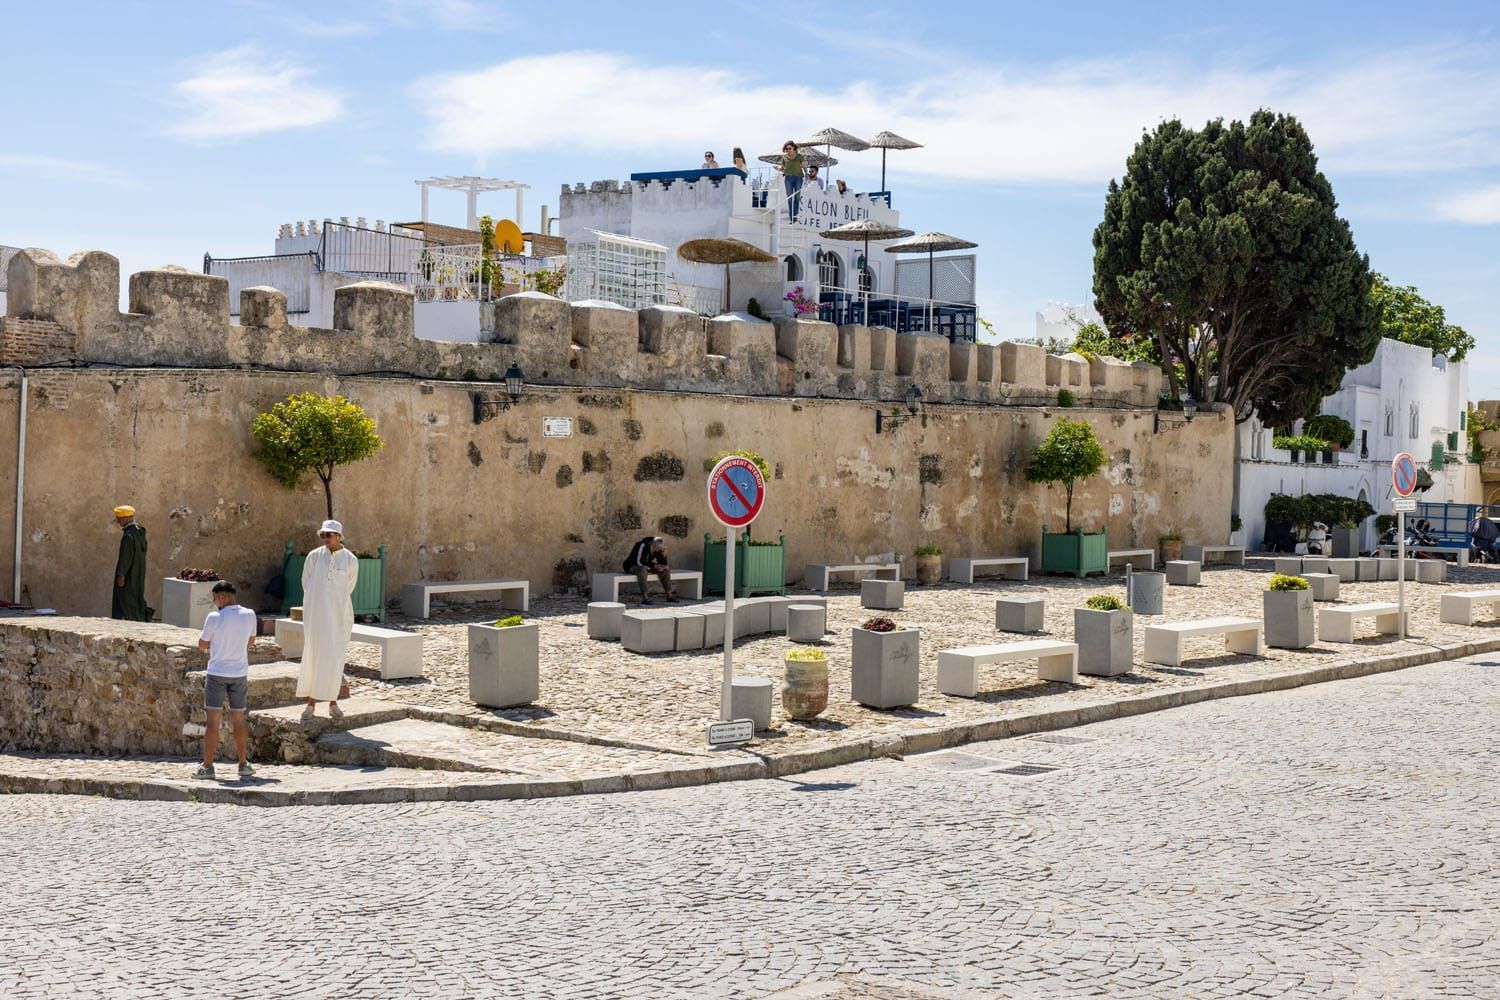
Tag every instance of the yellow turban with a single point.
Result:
(125, 510)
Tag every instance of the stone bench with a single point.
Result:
(1337, 624)
(1129, 555)
(1164, 641)
(1459, 608)
(1460, 553)
(958, 669)
(1229, 554)
(1011, 567)
(817, 575)
(416, 598)
(606, 586)
(400, 652)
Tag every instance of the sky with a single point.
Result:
(161, 131)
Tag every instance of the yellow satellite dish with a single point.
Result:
(508, 237)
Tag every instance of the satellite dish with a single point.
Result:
(508, 238)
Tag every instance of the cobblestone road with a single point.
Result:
(1339, 840)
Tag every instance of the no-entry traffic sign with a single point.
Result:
(1404, 474)
(736, 491)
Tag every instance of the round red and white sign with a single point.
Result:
(736, 491)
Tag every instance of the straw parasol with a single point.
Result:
(723, 250)
(890, 140)
(812, 156)
(830, 137)
(867, 230)
(929, 243)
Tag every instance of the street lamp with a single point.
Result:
(894, 420)
(515, 382)
(1189, 406)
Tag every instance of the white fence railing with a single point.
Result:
(447, 273)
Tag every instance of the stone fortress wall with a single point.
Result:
(153, 406)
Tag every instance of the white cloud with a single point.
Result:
(1418, 109)
(1478, 208)
(54, 166)
(240, 92)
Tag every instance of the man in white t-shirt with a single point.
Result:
(228, 634)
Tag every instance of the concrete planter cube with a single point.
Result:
(1325, 586)
(1183, 572)
(186, 603)
(1106, 641)
(886, 666)
(1314, 564)
(804, 689)
(1368, 568)
(648, 631)
(1347, 570)
(1431, 570)
(1288, 618)
(1144, 592)
(1019, 614)
(503, 665)
(1289, 565)
(1390, 569)
(882, 595)
(1345, 542)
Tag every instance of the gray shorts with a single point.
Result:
(236, 688)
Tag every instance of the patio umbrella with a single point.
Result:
(890, 140)
(830, 137)
(929, 243)
(867, 230)
(812, 156)
(723, 250)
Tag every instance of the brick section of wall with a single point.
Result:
(34, 341)
(547, 246)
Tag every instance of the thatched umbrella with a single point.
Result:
(867, 230)
(812, 156)
(723, 250)
(830, 137)
(929, 243)
(890, 140)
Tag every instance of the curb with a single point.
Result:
(741, 768)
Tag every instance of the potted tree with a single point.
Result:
(885, 668)
(804, 689)
(187, 598)
(1171, 546)
(1104, 629)
(1070, 452)
(929, 564)
(503, 659)
(1288, 609)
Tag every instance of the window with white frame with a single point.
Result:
(1390, 419)
(1415, 419)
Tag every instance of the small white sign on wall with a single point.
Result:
(557, 427)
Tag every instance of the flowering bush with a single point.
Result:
(197, 575)
(801, 304)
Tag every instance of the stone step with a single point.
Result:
(411, 743)
(273, 684)
(280, 734)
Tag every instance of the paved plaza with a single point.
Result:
(1335, 840)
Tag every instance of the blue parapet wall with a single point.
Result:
(668, 176)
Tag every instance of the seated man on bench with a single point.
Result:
(650, 556)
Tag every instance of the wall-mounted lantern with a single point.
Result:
(894, 420)
(515, 382)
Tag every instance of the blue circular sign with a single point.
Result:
(736, 491)
(1404, 474)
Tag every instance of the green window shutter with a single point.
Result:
(1437, 455)
(1463, 420)
(1453, 440)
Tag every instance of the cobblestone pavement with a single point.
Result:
(1336, 840)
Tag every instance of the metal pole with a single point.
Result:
(15, 592)
(1401, 571)
(930, 291)
(730, 539)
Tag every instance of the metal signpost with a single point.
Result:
(736, 492)
(1403, 480)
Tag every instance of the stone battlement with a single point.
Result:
(67, 311)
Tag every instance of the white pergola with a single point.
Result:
(473, 187)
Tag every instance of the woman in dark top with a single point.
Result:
(793, 167)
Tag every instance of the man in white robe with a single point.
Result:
(328, 578)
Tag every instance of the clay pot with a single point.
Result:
(804, 691)
(929, 569)
(1171, 550)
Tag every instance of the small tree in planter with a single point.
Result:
(885, 671)
(1287, 605)
(307, 432)
(929, 564)
(804, 689)
(1104, 629)
(1069, 453)
(503, 660)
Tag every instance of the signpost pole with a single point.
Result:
(1401, 571)
(731, 536)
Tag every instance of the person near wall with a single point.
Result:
(328, 579)
(649, 555)
(1317, 539)
(1483, 533)
(129, 601)
(793, 171)
(739, 160)
(813, 178)
(228, 634)
(843, 188)
(709, 163)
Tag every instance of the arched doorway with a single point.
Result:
(830, 270)
(793, 268)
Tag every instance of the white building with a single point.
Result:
(1405, 399)
(1059, 321)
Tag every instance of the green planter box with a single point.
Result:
(369, 589)
(1075, 552)
(758, 569)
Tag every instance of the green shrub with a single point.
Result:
(1385, 522)
(510, 622)
(1335, 430)
(1235, 524)
(1299, 442)
(760, 463)
(1170, 536)
(1105, 602)
(929, 550)
(1065, 398)
(1282, 581)
(806, 653)
(753, 308)
(1330, 508)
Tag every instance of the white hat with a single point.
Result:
(331, 525)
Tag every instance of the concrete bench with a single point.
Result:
(607, 585)
(1459, 608)
(958, 669)
(1164, 642)
(816, 577)
(1230, 554)
(1130, 555)
(416, 598)
(400, 652)
(1459, 553)
(1337, 624)
(1011, 567)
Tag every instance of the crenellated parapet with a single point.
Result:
(60, 311)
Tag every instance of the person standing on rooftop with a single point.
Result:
(793, 170)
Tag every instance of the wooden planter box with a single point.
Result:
(758, 569)
(369, 589)
(186, 603)
(1075, 552)
(503, 665)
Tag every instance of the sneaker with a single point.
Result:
(334, 712)
(204, 773)
(309, 713)
(645, 600)
(672, 599)
(246, 771)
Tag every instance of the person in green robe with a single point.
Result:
(129, 600)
